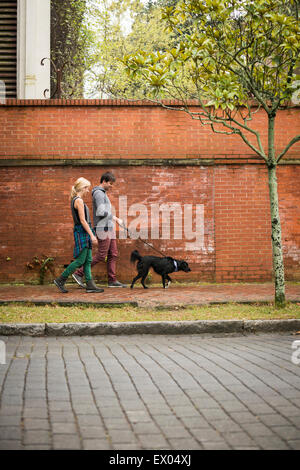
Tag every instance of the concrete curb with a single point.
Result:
(154, 328)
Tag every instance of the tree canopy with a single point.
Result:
(228, 53)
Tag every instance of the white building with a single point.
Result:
(24, 42)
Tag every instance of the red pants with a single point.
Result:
(107, 247)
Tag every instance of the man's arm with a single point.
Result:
(101, 205)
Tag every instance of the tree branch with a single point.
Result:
(292, 142)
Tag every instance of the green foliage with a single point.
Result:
(112, 38)
(69, 39)
(43, 265)
(232, 50)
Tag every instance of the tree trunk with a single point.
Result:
(278, 266)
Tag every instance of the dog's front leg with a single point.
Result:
(134, 280)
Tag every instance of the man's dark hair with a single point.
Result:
(108, 176)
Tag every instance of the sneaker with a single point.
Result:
(60, 283)
(91, 287)
(116, 284)
(78, 279)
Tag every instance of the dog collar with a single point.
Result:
(175, 264)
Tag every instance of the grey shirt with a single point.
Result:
(102, 214)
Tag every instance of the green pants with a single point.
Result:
(85, 260)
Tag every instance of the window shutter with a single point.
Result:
(8, 46)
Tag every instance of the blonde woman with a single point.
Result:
(83, 237)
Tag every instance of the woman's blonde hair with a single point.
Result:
(78, 186)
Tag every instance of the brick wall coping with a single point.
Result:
(94, 102)
(101, 102)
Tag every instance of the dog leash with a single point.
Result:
(144, 241)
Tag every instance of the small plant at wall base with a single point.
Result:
(43, 265)
(240, 56)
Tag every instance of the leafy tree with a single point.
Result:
(239, 56)
(89, 37)
(69, 39)
(111, 40)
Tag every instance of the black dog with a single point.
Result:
(162, 266)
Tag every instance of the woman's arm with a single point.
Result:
(80, 207)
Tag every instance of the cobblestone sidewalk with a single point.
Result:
(150, 392)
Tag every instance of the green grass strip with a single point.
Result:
(53, 313)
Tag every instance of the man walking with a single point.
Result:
(106, 235)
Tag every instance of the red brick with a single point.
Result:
(35, 211)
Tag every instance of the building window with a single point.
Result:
(8, 46)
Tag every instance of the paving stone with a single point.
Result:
(168, 420)
(10, 433)
(239, 404)
(89, 420)
(116, 423)
(121, 436)
(227, 425)
(260, 409)
(153, 441)
(138, 416)
(35, 413)
(216, 445)
(146, 428)
(175, 432)
(238, 439)
(211, 414)
(288, 411)
(85, 410)
(63, 428)
(133, 446)
(37, 447)
(286, 432)
(62, 416)
(36, 437)
(10, 445)
(184, 411)
(294, 444)
(36, 424)
(111, 412)
(271, 443)
(11, 400)
(10, 410)
(274, 420)
(244, 417)
(232, 406)
(96, 444)
(194, 422)
(66, 442)
(10, 420)
(93, 432)
(184, 444)
(160, 410)
(207, 434)
(257, 429)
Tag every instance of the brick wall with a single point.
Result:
(159, 157)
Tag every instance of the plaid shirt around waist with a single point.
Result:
(82, 239)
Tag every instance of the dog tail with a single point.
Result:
(135, 256)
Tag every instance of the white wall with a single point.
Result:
(33, 45)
